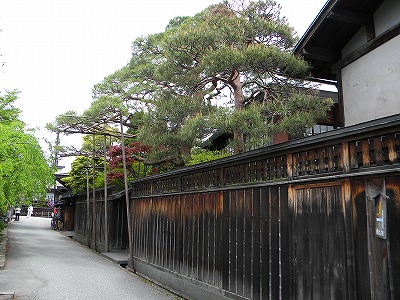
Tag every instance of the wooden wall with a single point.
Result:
(94, 233)
(290, 221)
(317, 243)
(299, 220)
(380, 255)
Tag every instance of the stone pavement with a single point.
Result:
(3, 244)
(44, 264)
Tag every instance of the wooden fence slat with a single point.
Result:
(239, 241)
(248, 249)
(256, 233)
(232, 242)
(264, 247)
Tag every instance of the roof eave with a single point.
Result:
(322, 15)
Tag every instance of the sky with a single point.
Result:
(55, 51)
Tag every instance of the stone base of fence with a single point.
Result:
(178, 283)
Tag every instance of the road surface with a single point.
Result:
(44, 264)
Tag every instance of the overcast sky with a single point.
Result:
(56, 50)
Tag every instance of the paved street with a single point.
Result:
(44, 264)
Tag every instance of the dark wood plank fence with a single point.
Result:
(314, 218)
(94, 233)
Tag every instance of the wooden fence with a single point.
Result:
(90, 225)
(315, 218)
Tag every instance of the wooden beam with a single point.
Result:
(106, 246)
(340, 118)
(348, 234)
(321, 54)
(347, 16)
(94, 196)
(116, 135)
(131, 260)
(370, 31)
(366, 48)
(345, 157)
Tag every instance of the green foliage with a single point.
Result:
(199, 155)
(42, 202)
(83, 166)
(8, 112)
(293, 114)
(245, 50)
(172, 127)
(2, 226)
(98, 143)
(77, 177)
(252, 39)
(67, 119)
(24, 172)
(296, 113)
(104, 108)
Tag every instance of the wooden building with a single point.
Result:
(65, 207)
(356, 44)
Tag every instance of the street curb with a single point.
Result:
(3, 247)
(7, 296)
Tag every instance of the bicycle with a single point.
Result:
(57, 224)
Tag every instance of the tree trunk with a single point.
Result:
(238, 98)
(185, 153)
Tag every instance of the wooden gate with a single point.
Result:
(317, 242)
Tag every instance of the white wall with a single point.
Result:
(371, 84)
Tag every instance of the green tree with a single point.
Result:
(245, 49)
(81, 168)
(8, 112)
(170, 128)
(97, 124)
(200, 155)
(24, 171)
(236, 50)
(174, 126)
